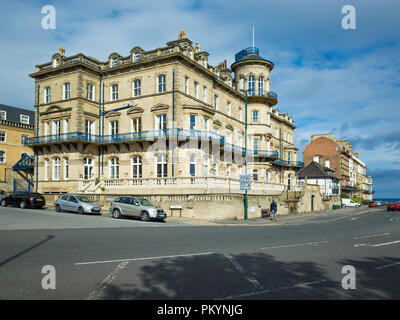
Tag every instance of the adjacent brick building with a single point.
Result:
(338, 155)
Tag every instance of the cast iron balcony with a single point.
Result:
(269, 97)
(289, 163)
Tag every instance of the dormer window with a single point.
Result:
(136, 56)
(114, 62)
(56, 63)
(190, 54)
(203, 62)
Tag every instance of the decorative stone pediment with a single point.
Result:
(55, 109)
(217, 122)
(135, 110)
(112, 114)
(199, 107)
(229, 127)
(159, 107)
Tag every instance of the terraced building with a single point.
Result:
(161, 123)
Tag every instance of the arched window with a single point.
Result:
(114, 168)
(136, 167)
(161, 166)
(251, 85)
(161, 83)
(260, 86)
(241, 84)
(87, 168)
(56, 168)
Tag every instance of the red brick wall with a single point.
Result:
(328, 150)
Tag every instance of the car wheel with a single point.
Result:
(22, 205)
(80, 210)
(116, 214)
(144, 216)
(3, 203)
(58, 208)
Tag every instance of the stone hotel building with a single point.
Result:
(161, 123)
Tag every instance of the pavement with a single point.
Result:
(281, 219)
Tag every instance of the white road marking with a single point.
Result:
(147, 258)
(338, 219)
(107, 281)
(371, 236)
(361, 245)
(295, 245)
(388, 266)
(386, 243)
(299, 285)
(247, 276)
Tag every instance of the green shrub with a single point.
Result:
(358, 200)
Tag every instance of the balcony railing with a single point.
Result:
(180, 134)
(188, 183)
(266, 153)
(289, 163)
(63, 137)
(263, 93)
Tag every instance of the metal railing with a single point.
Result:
(263, 93)
(180, 134)
(289, 163)
(63, 137)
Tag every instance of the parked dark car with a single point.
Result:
(24, 200)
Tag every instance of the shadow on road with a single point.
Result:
(215, 277)
(26, 250)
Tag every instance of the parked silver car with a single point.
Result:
(75, 203)
(136, 207)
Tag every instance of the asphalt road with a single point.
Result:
(102, 258)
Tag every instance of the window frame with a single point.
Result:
(161, 83)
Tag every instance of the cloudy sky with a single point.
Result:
(346, 82)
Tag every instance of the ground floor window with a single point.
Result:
(114, 168)
(87, 168)
(136, 167)
(161, 166)
(56, 168)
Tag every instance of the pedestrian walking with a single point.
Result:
(274, 209)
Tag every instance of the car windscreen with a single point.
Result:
(145, 202)
(83, 199)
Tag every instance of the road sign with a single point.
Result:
(245, 182)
